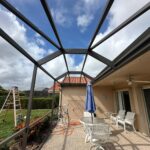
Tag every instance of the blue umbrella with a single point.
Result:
(89, 103)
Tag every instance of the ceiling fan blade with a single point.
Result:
(138, 81)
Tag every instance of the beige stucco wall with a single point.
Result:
(74, 97)
(104, 99)
(138, 103)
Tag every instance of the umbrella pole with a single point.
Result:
(92, 118)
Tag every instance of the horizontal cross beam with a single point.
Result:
(100, 58)
(88, 76)
(75, 51)
(49, 57)
(75, 72)
(61, 76)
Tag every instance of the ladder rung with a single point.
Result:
(9, 103)
(19, 114)
(18, 109)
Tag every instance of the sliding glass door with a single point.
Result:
(147, 102)
(123, 100)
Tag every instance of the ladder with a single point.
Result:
(12, 101)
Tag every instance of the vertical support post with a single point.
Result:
(14, 101)
(53, 99)
(29, 108)
(60, 98)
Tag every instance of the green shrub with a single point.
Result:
(37, 103)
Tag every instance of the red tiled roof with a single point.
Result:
(74, 80)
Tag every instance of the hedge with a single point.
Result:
(37, 103)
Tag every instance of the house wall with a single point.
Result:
(137, 105)
(74, 97)
(139, 108)
(104, 99)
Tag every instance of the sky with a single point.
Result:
(76, 22)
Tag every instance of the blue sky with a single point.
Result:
(65, 14)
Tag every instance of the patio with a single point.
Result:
(73, 138)
(105, 75)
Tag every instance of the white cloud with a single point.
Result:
(85, 11)
(83, 21)
(60, 15)
(56, 67)
(93, 66)
(15, 68)
(119, 12)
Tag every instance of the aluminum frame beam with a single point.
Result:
(104, 15)
(76, 51)
(49, 57)
(91, 53)
(125, 23)
(27, 21)
(62, 75)
(50, 18)
(88, 76)
(101, 58)
(29, 107)
(101, 21)
(74, 72)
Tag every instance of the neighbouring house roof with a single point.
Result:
(70, 80)
(57, 88)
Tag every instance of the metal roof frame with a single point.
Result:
(137, 48)
(61, 50)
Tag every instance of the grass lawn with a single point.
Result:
(6, 128)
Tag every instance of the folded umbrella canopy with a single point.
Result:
(89, 102)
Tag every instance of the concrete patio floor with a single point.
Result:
(72, 138)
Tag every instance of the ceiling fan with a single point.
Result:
(130, 81)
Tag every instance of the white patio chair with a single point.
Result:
(87, 116)
(129, 119)
(99, 134)
(120, 115)
(63, 114)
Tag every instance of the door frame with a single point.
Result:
(121, 90)
(145, 110)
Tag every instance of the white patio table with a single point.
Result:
(89, 120)
(86, 121)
